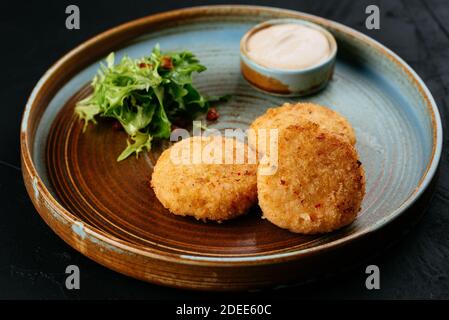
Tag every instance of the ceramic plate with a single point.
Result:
(108, 211)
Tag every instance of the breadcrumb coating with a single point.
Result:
(319, 183)
(290, 114)
(206, 191)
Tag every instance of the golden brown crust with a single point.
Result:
(319, 183)
(205, 191)
(290, 114)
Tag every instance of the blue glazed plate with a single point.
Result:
(399, 139)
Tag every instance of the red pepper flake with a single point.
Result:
(282, 182)
(166, 62)
(145, 65)
(212, 114)
(318, 205)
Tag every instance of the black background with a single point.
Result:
(33, 259)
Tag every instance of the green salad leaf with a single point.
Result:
(145, 95)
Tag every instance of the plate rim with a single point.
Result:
(85, 231)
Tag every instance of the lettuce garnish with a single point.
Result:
(145, 95)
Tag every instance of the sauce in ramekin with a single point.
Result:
(288, 46)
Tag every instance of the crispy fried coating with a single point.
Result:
(290, 114)
(194, 178)
(319, 183)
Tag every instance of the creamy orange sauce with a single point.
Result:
(288, 46)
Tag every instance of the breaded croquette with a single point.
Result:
(319, 183)
(218, 188)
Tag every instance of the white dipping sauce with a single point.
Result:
(288, 46)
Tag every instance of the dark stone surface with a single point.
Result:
(33, 258)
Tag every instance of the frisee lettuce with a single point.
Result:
(145, 95)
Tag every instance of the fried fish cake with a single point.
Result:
(290, 114)
(319, 183)
(195, 178)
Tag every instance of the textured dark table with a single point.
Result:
(33, 259)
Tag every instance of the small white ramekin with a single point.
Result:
(299, 82)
